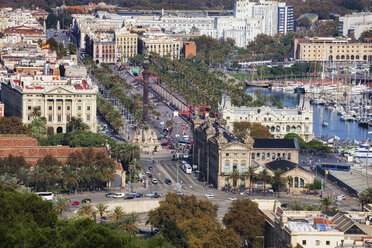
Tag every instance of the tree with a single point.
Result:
(38, 127)
(101, 209)
(72, 48)
(303, 22)
(365, 197)
(13, 125)
(117, 213)
(251, 173)
(235, 175)
(300, 140)
(86, 210)
(264, 177)
(296, 205)
(325, 203)
(316, 185)
(62, 205)
(255, 130)
(76, 124)
(277, 181)
(173, 234)
(245, 219)
(226, 238)
(36, 112)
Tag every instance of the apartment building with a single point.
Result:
(59, 100)
(126, 44)
(355, 24)
(331, 49)
(189, 49)
(162, 44)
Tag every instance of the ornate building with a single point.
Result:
(279, 121)
(218, 153)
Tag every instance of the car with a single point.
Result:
(151, 194)
(150, 168)
(231, 198)
(103, 218)
(76, 203)
(209, 196)
(168, 181)
(138, 195)
(110, 195)
(119, 195)
(149, 175)
(156, 196)
(154, 181)
(68, 200)
(147, 172)
(129, 198)
(132, 193)
(270, 190)
(86, 201)
(285, 205)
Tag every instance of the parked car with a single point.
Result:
(138, 195)
(168, 181)
(129, 197)
(76, 203)
(150, 168)
(110, 195)
(156, 196)
(231, 198)
(270, 190)
(86, 201)
(151, 194)
(285, 205)
(119, 195)
(209, 196)
(154, 181)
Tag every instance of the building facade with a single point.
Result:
(331, 49)
(161, 44)
(279, 121)
(126, 44)
(355, 24)
(217, 154)
(189, 49)
(104, 51)
(58, 100)
(285, 18)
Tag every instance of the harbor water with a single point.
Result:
(336, 127)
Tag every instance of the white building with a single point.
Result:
(279, 121)
(355, 23)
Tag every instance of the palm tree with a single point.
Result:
(296, 206)
(134, 166)
(277, 181)
(101, 208)
(62, 205)
(311, 208)
(76, 124)
(86, 210)
(36, 112)
(117, 213)
(264, 177)
(235, 175)
(365, 197)
(251, 173)
(289, 180)
(325, 203)
(70, 177)
(126, 152)
(109, 175)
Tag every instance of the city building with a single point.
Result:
(24, 34)
(355, 24)
(160, 43)
(58, 100)
(126, 44)
(279, 120)
(189, 49)
(331, 49)
(104, 51)
(217, 153)
(285, 18)
(308, 229)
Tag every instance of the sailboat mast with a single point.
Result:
(337, 82)
(345, 77)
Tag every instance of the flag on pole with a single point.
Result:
(46, 46)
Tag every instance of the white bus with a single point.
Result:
(186, 168)
(46, 195)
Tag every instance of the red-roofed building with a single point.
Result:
(26, 33)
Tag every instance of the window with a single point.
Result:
(303, 242)
(59, 118)
(263, 155)
(235, 155)
(88, 108)
(289, 156)
(68, 118)
(227, 154)
(79, 107)
(273, 156)
(242, 166)
(88, 117)
(258, 155)
(252, 155)
(268, 155)
(59, 107)
(29, 107)
(328, 242)
(227, 167)
(235, 166)
(50, 107)
(317, 242)
(50, 118)
(68, 107)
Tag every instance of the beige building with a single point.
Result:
(59, 100)
(309, 229)
(217, 153)
(161, 44)
(331, 49)
(126, 44)
(279, 121)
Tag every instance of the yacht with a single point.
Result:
(363, 151)
(325, 124)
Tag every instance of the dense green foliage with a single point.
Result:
(256, 130)
(311, 145)
(77, 139)
(13, 125)
(197, 218)
(28, 221)
(245, 219)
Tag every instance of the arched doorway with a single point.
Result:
(59, 130)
